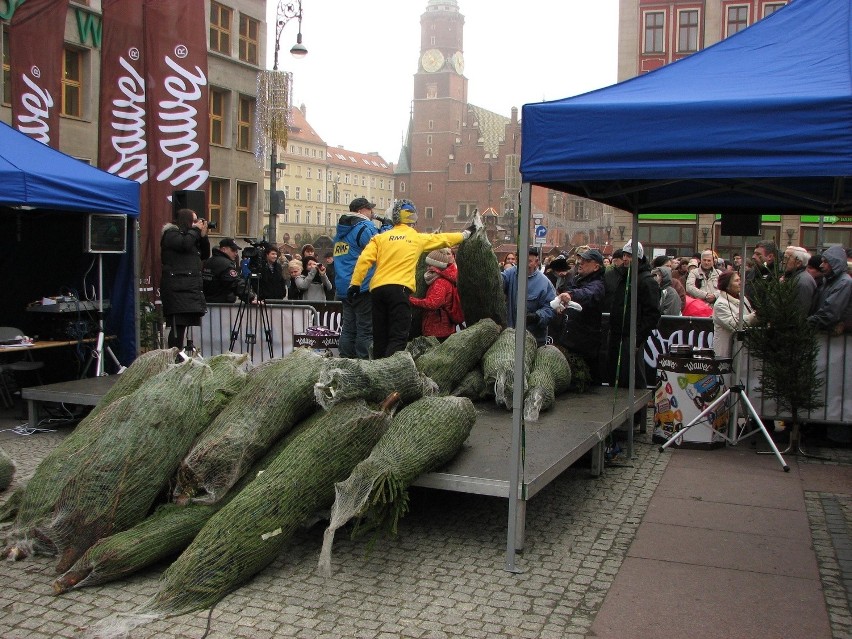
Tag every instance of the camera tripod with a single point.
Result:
(739, 391)
(252, 316)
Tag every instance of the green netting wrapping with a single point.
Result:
(480, 282)
(450, 361)
(252, 529)
(61, 463)
(9, 510)
(123, 472)
(421, 344)
(550, 376)
(277, 394)
(142, 369)
(498, 365)
(422, 437)
(164, 534)
(370, 379)
(472, 385)
(7, 470)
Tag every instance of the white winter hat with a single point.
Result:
(628, 248)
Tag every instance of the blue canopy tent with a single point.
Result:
(44, 196)
(758, 123)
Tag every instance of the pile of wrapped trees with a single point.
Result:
(214, 464)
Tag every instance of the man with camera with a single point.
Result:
(221, 278)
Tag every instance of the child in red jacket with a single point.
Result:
(442, 277)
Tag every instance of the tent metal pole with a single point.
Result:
(634, 305)
(515, 461)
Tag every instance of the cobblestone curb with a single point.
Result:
(830, 518)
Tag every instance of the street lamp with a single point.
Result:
(285, 12)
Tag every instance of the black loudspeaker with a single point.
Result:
(747, 224)
(194, 200)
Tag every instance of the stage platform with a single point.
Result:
(84, 392)
(578, 423)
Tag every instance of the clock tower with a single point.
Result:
(456, 156)
(440, 69)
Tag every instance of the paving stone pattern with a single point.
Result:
(442, 577)
(830, 519)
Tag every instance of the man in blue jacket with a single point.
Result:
(540, 293)
(354, 231)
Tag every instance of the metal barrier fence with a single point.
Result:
(833, 363)
(286, 319)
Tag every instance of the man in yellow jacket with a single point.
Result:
(395, 254)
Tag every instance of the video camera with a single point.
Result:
(211, 225)
(253, 257)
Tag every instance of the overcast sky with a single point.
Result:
(357, 79)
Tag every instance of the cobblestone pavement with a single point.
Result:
(830, 517)
(443, 576)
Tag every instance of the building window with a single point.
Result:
(772, 7)
(580, 212)
(308, 173)
(431, 91)
(319, 174)
(429, 187)
(245, 124)
(381, 184)
(309, 194)
(468, 168)
(307, 217)
(466, 210)
(320, 218)
(244, 206)
(319, 195)
(220, 28)
(248, 39)
(217, 116)
(687, 34)
(737, 19)
(654, 32)
(7, 70)
(72, 83)
(363, 180)
(429, 152)
(429, 212)
(672, 239)
(431, 124)
(298, 192)
(428, 139)
(402, 187)
(298, 216)
(214, 206)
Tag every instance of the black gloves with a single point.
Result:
(352, 292)
(532, 319)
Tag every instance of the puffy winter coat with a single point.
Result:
(181, 253)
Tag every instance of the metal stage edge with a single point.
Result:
(577, 423)
(85, 392)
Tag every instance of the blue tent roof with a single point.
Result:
(35, 175)
(761, 120)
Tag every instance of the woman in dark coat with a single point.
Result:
(183, 246)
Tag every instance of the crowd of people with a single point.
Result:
(372, 272)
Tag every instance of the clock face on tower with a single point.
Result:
(458, 62)
(432, 60)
